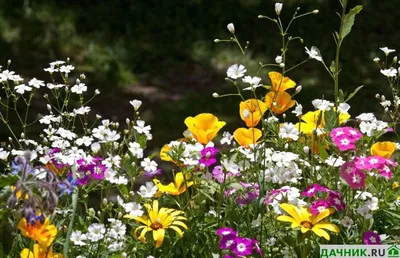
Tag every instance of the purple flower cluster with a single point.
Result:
(324, 198)
(238, 246)
(89, 169)
(371, 238)
(219, 175)
(208, 156)
(246, 195)
(345, 137)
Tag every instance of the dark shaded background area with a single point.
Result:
(162, 52)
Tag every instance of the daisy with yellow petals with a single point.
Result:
(251, 111)
(204, 127)
(43, 233)
(39, 252)
(157, 221)
(280, 83)
(174, 188)
(245, 137)
(303, 218)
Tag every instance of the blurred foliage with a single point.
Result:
(163, 51)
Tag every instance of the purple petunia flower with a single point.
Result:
(336, 201)
(242, 246)
(313, 189)
(318, 206)
(371, 238)
(226, 232)
(208, 156)
(227, 242)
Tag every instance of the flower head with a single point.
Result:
(371, 238)
(157, 222)
(246, 137)
(279, 102)
(204, 127)
(177, 187)
(280, 83)
(251, 111)
(383, 149)
(41, 231)
(314, 53)
(236, 71)
(303, 218)
(39, 252)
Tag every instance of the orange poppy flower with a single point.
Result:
(279, 102)
(251, 111)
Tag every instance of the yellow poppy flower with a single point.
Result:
(303, 218)
(204, 127)
(164, 153)
(279, 102)
(313, 120)
(245, 137)
(251, 111)
(280, 83)
(44, 233)
(39, 252)
(383, 149)
(174, 188)
(157, 222)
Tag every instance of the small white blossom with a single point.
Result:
(148, 190)
(236, 71)
(391, 72)
(96, 232)
(347, 222)
(78, 238)
(343, 108)
(82, 110)
(253, 81)
(135, 103)
(386, 50)
(66, 69)
(231, 28)
(226, 138)
(79, 88)
(149, 165)
(278, 8)
(36, 83)
(334, 161)
(314, 53)
(22, 88)
(4, 154)
(85, 140)
(136, 150)
(322, 104)
(278, 59)
(298, 110)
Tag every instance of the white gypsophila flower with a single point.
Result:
(85, 140)
(314, 53)
(49, 118)
(298, 110)
(135, 103)
(136, 150)
(55, 86)
(112, 161)
(347, 222)
(66, 133)
(115, 247)
(236, 71)
(278, 8)
(344, 108)
(78, 238)
(271, 241)
(386, 103)
(4, 154)
(278, 59)
(95, 147)
(132, 208)
(231, 28)
(372, 204)
(96, 232)
(22, 88)
(226, 138)
(364, 211)
(334, 161)
(231, 166)
(376, 59)
(322, 104)
(363, 195)
(386, 50)
(149, 165)
(368, 117)
(148, 190)
(391, 72)
(79, 88)
(257, 222)
(66, 69)
(36, 83)
(51, 69)
(272, 120)
(121, 180)
(253, 81)
(82, 110)
(141, 128)
(56, 63)
(100, 132)
(117, 230)
(289, 131)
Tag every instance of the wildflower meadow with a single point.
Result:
(282, 184)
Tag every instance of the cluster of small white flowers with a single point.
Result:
(391, 72)
(369, 124)
(289, 131)
(371, 204)
(334, 161)
(282, 168)
(115, 236)
(141, 128)
(226, 138)
(131, 208)
(7, 75)
(104, 134)
(288, 194)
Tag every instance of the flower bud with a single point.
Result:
(78, 81)
(278, 59)
(284, 116)
(306, 149)
(215, 95)
(124, 255)
(286, 146)
(105, 201)
(377, 96)
(119, 215)
(98, 116)
(231, 28)
(216, 40)
(9, 62)
(315, 11)
(48, 107)
(127, 121)
(22, 136)
(97, 92)
(282, 65)
(278, 8)
(395, 59)
(298, 89)
(82, 76)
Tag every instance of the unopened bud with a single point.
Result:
(98, 116)
(284, 116)
(124, 255)
(306, 149)
(278, 8)
(383, 98)
(78, 81)
(68, 59)
(215, 95)
(386, 109)
(282, 65)
(97, 91)
(286, 146)
(315, 11)
(9, 62)
(299, 88)
(127, 121)
(48, 107)
(22, 136)
(10, 139)
(395, 59)
(377, 96)
(216, 40)
(105, 201)
(119, 215)
(231, 28)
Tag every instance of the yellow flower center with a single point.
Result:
(156, 225)
(306, 224)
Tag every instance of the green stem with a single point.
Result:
(71, 223)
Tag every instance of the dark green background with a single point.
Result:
(162, 52)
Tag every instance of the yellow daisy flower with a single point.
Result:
(174, 188)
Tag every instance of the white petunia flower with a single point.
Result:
(78, 238)
(22, 88)
(148, 190)
(314, 53)
(36, 83)
(79, 88)
(391, 72)
(236, 71)
(135, 103)
(386, 50)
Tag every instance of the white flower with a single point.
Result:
(149, 165)
(278, 59)
(257, 222)
(66, 69)
(4, 154)
(253, 81)
(96, 232)
(231, 166)
(386, 103)
(22, 88)
(347, 222)
(322, 104)
(121, 180)
(298, 111)
(78, 238)
(51, 69)
(36, 83)
(226, 138)
(289, 130)
(6, 75)
(82, 110)
(343, 108)
(135, 103)
(148, 190)
(79, 88)
(278, 8)
(56, 63)
(367, 117)
(136, 150)
(376, 59)
(66, 133)
(141, 128)
(271, 241)
(49, 118)
(314, 53)
(364, 211)
(95, 147)
(334, 161)
(231, 28)
(236, 71)
(132, 208)
(391, 72)
(54, 86)
(386, 50)
(85, 140)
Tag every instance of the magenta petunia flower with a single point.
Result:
(227, 242)
(226, 232)
(356, 180)
(347, 170)
(242, 246)
(208, 156)
(371, 238)
(334, 200)
(257, 246)
(345, 137)
(319, 206)
(345, 143)
(314, 189)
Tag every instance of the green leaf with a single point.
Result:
(322, 152)
(348, 21)
(6, 180)
(354, 93)
(330, 119)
